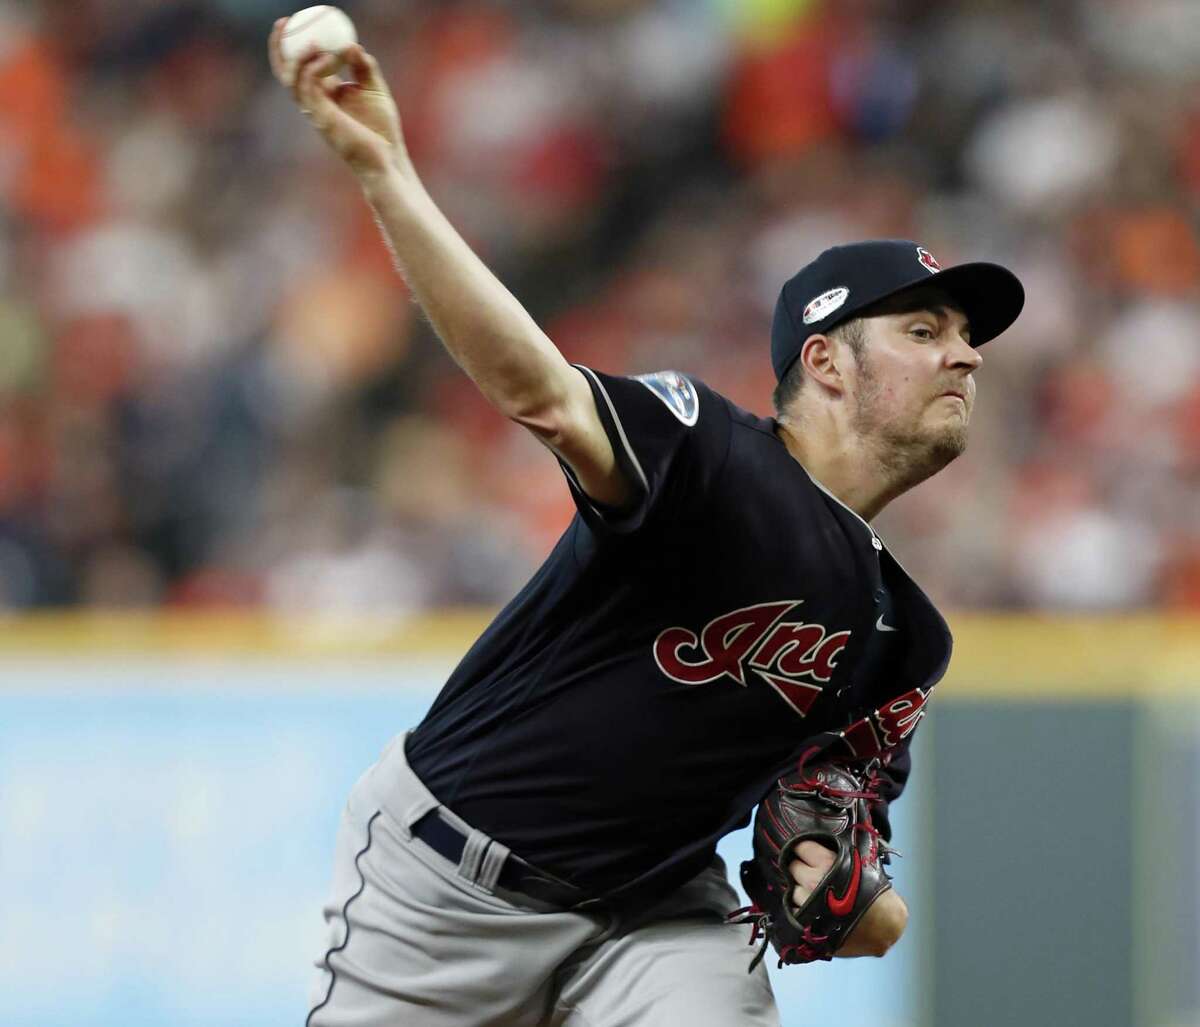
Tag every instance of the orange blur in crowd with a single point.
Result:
(215, 390)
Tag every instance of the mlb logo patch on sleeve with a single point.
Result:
(676, 392)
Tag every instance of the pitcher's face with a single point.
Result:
(914, 385)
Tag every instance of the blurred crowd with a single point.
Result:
(214, 389)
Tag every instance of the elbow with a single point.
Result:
(547, 421)
(549, 414)
(550, 405)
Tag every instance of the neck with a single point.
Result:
(846, 466)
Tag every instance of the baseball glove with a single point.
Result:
(830, 804)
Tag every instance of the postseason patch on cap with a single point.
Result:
(824, 305)
(676, 392)
(928, 260)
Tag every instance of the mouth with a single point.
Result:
(954, 395)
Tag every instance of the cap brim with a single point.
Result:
(990, 295)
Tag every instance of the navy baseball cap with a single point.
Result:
(845, 280)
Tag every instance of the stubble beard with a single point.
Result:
(906, 453)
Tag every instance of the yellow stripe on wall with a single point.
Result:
(1001, 656)
(239, 634)
(1054, 658)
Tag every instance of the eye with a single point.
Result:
(922, 332)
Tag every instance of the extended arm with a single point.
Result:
(487, 332)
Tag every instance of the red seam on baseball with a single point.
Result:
(312, 18)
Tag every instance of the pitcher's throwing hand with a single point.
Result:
(357, 118)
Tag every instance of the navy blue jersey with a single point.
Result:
(669, 661)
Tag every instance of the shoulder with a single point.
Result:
(679, 393)
(675, 400)
(753, 424)
(687, 397)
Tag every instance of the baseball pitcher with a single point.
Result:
(719, 630)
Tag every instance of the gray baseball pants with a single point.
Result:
(415, 941)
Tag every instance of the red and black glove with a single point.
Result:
(830, 804)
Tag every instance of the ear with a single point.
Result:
(820, 358)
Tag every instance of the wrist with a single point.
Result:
(396, 178)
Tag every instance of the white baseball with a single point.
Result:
(327, 28)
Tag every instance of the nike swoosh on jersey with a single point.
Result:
(884, 627)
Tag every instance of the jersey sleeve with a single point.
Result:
(670, 435)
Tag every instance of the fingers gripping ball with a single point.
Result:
(324, 28)
(829, 804)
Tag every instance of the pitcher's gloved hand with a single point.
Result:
(829, 804)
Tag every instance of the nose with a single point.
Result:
(961, 354)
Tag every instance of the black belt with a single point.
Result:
(515, 875)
